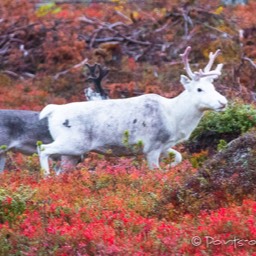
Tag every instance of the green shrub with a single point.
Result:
(222, 126)
(238, 118)
(13, 203)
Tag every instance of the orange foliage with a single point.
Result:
(57, 39)
(245, 14)
(152, 89)
(117, 90)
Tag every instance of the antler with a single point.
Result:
(207, 70)
(184, 57)
(102, 72)
(212, 58)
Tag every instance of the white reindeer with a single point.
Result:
(147, 124)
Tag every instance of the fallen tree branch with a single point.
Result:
(13, 74)
(82, 63)
(123, 16)
(102, 40)
(250, 61)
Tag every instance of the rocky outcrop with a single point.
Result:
(232, 169)
(228, 177)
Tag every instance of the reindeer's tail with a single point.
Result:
(47, 111)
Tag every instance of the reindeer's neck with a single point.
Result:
(186, 113)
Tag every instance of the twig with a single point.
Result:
(29, 75)
(13, 74)
(101, 40)
(4, 50)
(136, 41)
(117, 24)
(215, 29)
(109, 39)
(68, 70)
(90, 21)
(105, 27)
(250, 61)
(165, 26)
(122, 15)
(140, 56)
(95, 33)
(187, 21)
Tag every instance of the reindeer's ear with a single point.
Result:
(185, 82)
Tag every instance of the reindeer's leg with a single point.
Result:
(2, 161)
(68, 162)
(153, 159)
(58, 147)
(177, 156)
(44, 160)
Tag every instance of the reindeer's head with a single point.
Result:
(199, 84)
(97, 73)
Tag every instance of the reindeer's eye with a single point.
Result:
(199, 90)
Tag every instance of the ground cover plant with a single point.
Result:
(106, 206)
(113, 211)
